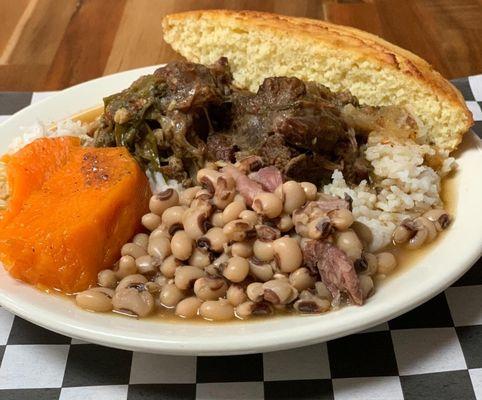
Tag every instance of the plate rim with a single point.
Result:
(225, 347)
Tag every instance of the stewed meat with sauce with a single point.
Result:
(185, 113)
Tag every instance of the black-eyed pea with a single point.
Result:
(236, 295)
(187, 196)
(147, 265)
(210, 288)
(151, 221)
(263, 250)
(131, 301)
(200, 258)
(310, 190)
(188, 307)
(386, 262)
(163, 200)
(208, 178)
(214, 240)
(260, 270)
(181, 245)
(133, 250)
(161, 230)
(194, 222)
(136, 280)
(95, 299)
(127, 266)
(294, 196)
(107, 278)
(371, 263)
(314, 305)
(172, 218)
(232, 211)
(363, 232)
(237, 269)
(255, 291)
(341, 219)
(285, 223)
(366, 285)
(141, 239)
(217, 310)
(237, 230)
(225, 191)
(217, 219)
(279, 291)
(279, 192)
(322, 291)
(186, 275)
(169, 265)
(171, 295)
(267, 204)
(249, 216)
(302, 279)
(349, 242)
(429, 225)
(240, 199)
(159, 247)
(244, 310)
(287, 253)
(439, 217)
(281, 276)
(242, 249)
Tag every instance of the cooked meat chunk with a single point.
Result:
(248, 188)
(335, 268)
(269, 178)
(221, 147)
(295, 126)
(185, 113)
(167, 114)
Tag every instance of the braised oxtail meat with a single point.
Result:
(335, 268)
(184, 114)
(297, 127)
(221, 147)
(164, 119)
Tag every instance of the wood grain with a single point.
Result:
(52, 44)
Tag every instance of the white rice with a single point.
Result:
(402, 186)
(62, 128)
(3, 186)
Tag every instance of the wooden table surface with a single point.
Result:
(52, 44)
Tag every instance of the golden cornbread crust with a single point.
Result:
(374, 70)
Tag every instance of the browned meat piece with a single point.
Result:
(248, 188)
(296, 127)
(269, 178)
(327, 203)
(168, 114)
(192, 112)
(250, 164)
(191, 85)
(336, 269)
(312, 168)
(274, 151)
(221, 147)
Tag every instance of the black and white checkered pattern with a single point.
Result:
(432, 352)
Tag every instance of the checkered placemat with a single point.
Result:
(433, 352)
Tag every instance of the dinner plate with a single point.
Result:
(453, 254)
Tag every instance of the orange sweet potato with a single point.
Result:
(71, 210)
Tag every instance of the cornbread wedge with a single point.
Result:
(259, 45)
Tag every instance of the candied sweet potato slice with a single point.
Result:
(71, 210)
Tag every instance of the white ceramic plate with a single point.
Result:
(452, 255)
